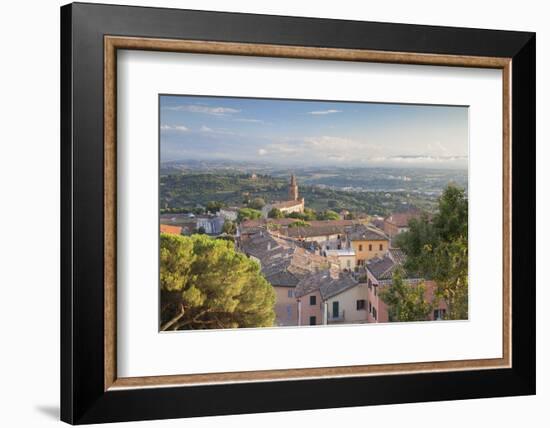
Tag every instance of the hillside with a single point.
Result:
(186, 191)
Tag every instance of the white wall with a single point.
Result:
(29, 274)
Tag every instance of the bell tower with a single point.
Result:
(293, 189)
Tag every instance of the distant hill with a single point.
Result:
(186, 189)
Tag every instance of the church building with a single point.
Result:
(294, 204)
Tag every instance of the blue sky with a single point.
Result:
(313, 133)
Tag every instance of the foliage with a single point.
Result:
(406, 302)
(214, 206)
(299, 223)
(229, 227)
(201, 230)
(256, 203)
(183, 191)
(438, 250)
(248, 214)
(275, 213)
(206, 283)
(328, 215)
(307, 215)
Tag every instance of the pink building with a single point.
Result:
(379, 275)
(331, 297)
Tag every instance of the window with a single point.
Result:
(312, 320)
(290, 293)
(439, 314)
(312, 300)
(370, 247)
(369, 282)
(381, 247)
(360, 305)
(374, 314)
(375, 293)
(370, 307)
(360, 247)
(348, 263)
(335, 310)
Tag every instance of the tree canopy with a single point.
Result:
(275, 213)
(248, 214)
(205, 283)
(229, 227)
(256, 203)
(328, 215)
(406, 302)
(438, 249)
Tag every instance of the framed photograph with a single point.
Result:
(266, 213)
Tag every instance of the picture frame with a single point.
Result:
(91, 391)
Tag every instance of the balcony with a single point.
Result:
(340, 316)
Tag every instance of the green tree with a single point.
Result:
(248, 214)
(406, 302)
(275, 213)
(229, 227)
(438, 250)
(205, 283)
(329, 215)
(299, 223)
(256, 203)
(309, 214)
(214, 206)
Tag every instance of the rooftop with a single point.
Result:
(328, 282)
(367, 233)
(402, 219)
(283, 263)
(286, 204)
(170, 229)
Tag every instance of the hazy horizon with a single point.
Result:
(312, 133)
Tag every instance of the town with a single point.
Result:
(324, 269)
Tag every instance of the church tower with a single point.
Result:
(293, 189)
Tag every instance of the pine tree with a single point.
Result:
(205, 283)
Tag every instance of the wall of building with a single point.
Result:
(362, 252)
(286, 307)
(346, 262)
(348, 303)
(308, 310)
(377, 310)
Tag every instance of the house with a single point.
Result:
(331, 297)
(397, 223)
(284, 265)
(345, 258)
(329, 237)
(380, 275)
(294, 204)
(229, 213)
(211, 225)
(368, 242)
(170, 229)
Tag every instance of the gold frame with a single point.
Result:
(113, 43)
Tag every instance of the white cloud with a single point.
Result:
(249, 120)
(262, 152)
(216, 131)
(418, 159)
(214, 111)
(180, 128)
(330, 111)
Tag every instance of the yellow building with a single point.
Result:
(368, 242)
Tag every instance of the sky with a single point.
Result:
(312, 133)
